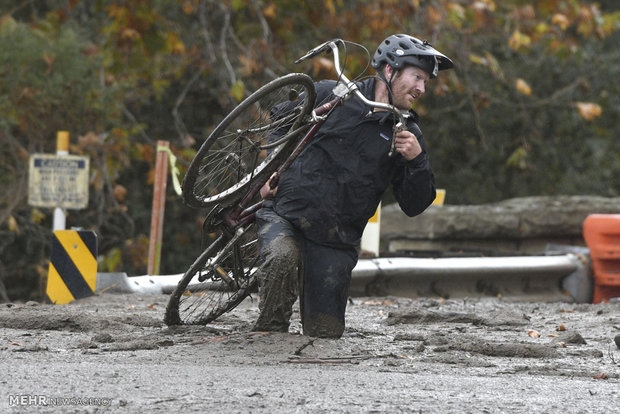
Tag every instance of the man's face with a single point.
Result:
(408, 85)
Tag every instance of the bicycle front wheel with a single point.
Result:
(248, 144)
(220, 279)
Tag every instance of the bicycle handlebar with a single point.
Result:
(345, 86)
(324, 47)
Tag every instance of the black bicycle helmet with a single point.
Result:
(401, 49)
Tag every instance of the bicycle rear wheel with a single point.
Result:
(221, 277)
(236, 154)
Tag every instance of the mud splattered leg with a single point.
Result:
(327, 276)
(278, 273)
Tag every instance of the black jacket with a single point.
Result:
(336, 184)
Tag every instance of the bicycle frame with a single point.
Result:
(244, 213)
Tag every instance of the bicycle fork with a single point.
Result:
(214, 267)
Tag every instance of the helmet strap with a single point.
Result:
(388, 83)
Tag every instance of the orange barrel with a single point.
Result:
(602, 235)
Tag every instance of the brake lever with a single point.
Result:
(397, 128)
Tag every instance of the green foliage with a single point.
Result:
(46, 81)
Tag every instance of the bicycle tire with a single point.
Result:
(203, 301)
(234, 157)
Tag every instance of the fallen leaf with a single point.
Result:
(600, 376)
(534, 334)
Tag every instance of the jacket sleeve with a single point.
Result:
(414, 183)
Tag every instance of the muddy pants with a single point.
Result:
(293, 265)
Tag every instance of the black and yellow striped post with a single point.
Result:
(73, 266)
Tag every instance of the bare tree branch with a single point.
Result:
(474, 108)
(204, 31)
(178, 122)
(141, 130)
(223, 50)
(263, 22)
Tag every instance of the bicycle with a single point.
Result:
(262, 136)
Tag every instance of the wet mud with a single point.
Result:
(396, 355)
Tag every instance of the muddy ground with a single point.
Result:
(112, 353)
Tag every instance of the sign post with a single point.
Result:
(60, 182)
(159, 206)
(62, 148)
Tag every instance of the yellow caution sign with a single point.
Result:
(73, 266)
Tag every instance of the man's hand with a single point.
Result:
(266, 192)
(407, 145)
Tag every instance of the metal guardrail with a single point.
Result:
(535, 277)
(550, 277)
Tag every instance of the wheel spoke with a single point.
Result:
(230, 278)
(238, 149)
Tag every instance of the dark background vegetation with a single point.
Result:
(532, 107)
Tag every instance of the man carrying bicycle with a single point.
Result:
(311, 224)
